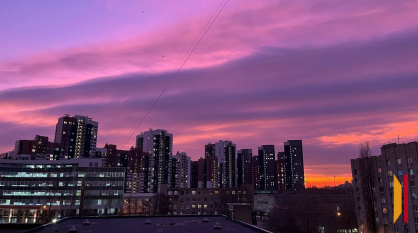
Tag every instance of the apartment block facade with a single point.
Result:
(395, 160)
(266, 155)
(77, 136)
(36, 190)
(204, 201)
(181, 170)
(208, 172)
(40, 148)
(255, 173)
(244, 157)
(159, 145)
(137, 165)
(294, 175)
(225, 152)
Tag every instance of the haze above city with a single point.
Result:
(332, 74)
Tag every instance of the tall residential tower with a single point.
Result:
(77, 135)
(294, 175)
(225, 152)
(266, 156)
(159, 144)
(243, 166)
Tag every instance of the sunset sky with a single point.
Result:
(332, 73)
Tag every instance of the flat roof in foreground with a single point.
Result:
(165, 224)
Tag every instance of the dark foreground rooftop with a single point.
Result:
(168, 224)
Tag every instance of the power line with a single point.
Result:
(125, 140)
(198, 39)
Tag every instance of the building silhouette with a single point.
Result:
(244, 157)
(40, 148)
(294, 174)
(395, 160)
(226, 155)
(266, 156)
(159, 144)
(77, 135)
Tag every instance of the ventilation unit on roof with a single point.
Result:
(72, 230)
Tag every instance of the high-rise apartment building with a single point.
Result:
(373, 182)
(244, 157)
(159, 144)
(280, 155)
(207, 172)
(294, 170)
(181, 168)
(210, 150)
(40, 148)
(225, 152)
(279, 168)
(194, 179)
(137, 164)
(255, 174)
(279, 174)
(266, 156)
(77, 135)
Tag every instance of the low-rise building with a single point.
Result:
(206, 201)
(326, 210)
(137, 164)
(40, 148)
(139, 204)
(8, 155)
(33, 191)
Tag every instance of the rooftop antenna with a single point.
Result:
(398, 139)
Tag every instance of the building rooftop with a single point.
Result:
(166, 224)
(80, 162)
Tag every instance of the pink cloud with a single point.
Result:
(237, 33)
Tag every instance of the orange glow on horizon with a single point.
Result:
(324, 181)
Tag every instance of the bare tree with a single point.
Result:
(147, 205)
(367, 170)
(159, 205)
(47, 207)
(128, 205)
(137, 206)
(313, 210)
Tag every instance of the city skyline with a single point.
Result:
(267, 72)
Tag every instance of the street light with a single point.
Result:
(338, 213)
